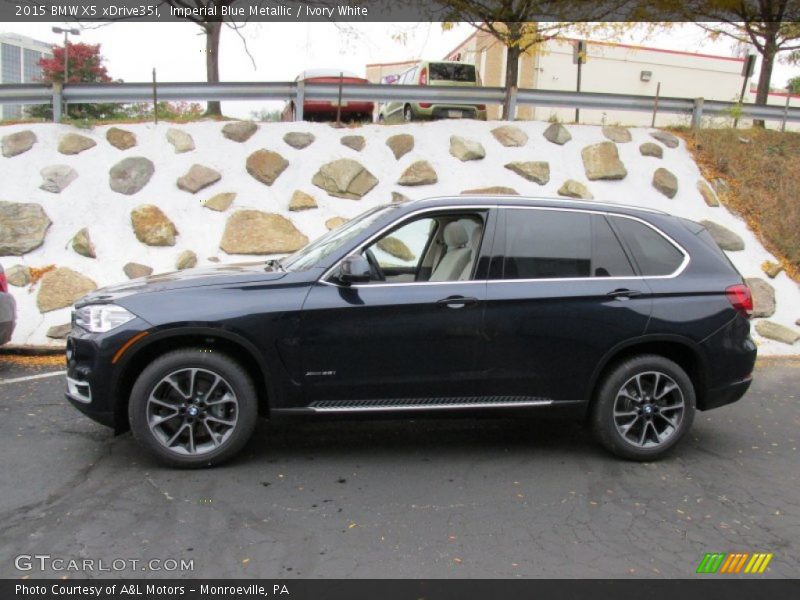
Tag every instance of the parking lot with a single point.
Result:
(439, 498)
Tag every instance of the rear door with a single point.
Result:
(562, 292)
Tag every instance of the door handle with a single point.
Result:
(456, 301)
(623, 294)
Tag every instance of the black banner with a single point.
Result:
(713, 588)
(392, 10)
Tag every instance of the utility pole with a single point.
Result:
(578, 58)
(747, 72)
(66, 33)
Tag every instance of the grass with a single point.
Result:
(764, 180)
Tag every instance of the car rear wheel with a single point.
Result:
(408, 115)
(644, 406)
(193, 408)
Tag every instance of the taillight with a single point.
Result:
(424, 104)
(741, 299)
(3, 281)
(423, 77)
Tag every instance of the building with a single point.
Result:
(609, 67)
(19, 58)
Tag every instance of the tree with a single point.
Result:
(522, 25)
(793, 85)
(85, 65)
(771, 26)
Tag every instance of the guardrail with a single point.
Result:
(297, 92)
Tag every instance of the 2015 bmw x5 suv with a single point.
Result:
(630, 317)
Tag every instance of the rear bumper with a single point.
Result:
(445, 111)
(727, 394)
(330, 108)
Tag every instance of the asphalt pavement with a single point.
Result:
(422, 499)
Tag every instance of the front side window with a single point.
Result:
(653, 253)
(547, 244)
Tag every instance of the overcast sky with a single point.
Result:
(281, 50)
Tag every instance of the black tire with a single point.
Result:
(408, 114)
(618, 388)
(211, 364)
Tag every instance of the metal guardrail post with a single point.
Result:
(697, 113)
(512, 104)
(299, 101)
(57, 102)
(786, 110)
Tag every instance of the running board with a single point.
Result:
(331, 406)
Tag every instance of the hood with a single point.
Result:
(188, 278)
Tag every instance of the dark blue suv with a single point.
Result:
(629, 317)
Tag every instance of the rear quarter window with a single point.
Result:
(654, 254)
(450, 72)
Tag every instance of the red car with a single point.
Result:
(324, 110)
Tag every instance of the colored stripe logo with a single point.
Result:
(732, 563)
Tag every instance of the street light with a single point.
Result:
(66, 32)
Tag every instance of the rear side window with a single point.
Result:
(608, 257)
(449, 72)
(543, 244)
(653, 253)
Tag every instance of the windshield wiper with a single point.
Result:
(274, 263)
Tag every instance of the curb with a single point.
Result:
(32, 350)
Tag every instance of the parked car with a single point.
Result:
(324, 110)
(8, 310)
(434, 74)
(631, 317)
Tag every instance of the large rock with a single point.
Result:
(398, 197)
(557, 134)
(709, 197)
(22, 227)
(19, 275)
(763, 297)
(669, 140)
(345, 178)
(121, 139)
(665, 182)
(356, 142)
(464, 149)
(82, 244)
(335, 222)
(56, 177)
(397, 248)
(186, 260)
(777, 332)
(418, 173)
(266, 165)
(180, 140)
(61, 288)
(510, 136)
(299, 139)
(575, 189)
(301, 201)
(400, 144)
(135, 270)
(617, 133)
(130, 174)
(493, 190)
(536, 171)
(220, 202)
(239, 131)
(17, 143)
(197, 178)
(152, 227)
(725, 238)
(651, 149)
(59, 332)
(256, 232)
(75, 143)
(771, 269)
(601, 161)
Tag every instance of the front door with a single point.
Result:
(413, 331)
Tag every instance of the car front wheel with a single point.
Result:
(644, 406)
(193, 408)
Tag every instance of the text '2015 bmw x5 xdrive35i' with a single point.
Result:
(629, 317)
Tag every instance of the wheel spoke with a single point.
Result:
(220, 421)
(177, 434)
(668, 389)
(639, 387)
(191, 439)
(163, 419)
(622, 415)
(625, 429)
(170, 381)
(167, 405)
(678, 406)
(226, 398)
(212, 434)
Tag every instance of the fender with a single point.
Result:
(690, 345)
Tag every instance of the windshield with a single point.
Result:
(311, 255)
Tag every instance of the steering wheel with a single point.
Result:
(376, 273)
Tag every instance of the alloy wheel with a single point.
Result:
(192, 411)
(649, 409)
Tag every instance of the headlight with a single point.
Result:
(99, 318)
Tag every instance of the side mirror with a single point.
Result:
(354, 269)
